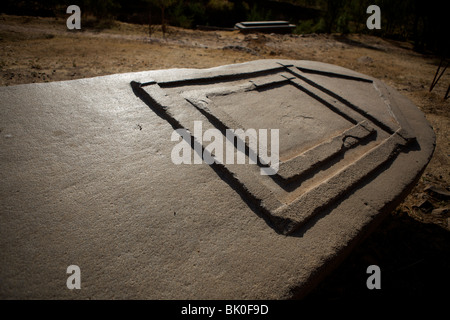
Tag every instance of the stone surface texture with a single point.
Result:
(88, 180)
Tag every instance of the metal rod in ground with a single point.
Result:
(435, 81)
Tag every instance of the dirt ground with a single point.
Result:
(412, 244)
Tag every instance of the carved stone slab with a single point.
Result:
(88, 180)
(337, 130)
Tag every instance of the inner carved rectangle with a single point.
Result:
(303, 121)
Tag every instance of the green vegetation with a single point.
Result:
(310, 26)
(422, 22)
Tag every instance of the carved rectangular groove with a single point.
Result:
(315, 156)
(294, 215)
(282, 197)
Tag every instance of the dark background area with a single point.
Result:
(423, 22)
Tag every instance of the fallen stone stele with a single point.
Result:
(87, 180)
